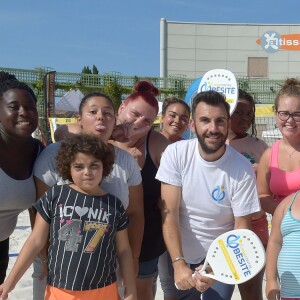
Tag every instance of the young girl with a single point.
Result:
(87, 229)
(283, 252)
(243, 119)
(96, 116)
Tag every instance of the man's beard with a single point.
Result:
(210, 149)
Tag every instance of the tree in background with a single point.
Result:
(86, 70)
(90, 80)
(95, 70)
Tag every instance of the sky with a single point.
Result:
(116, 36)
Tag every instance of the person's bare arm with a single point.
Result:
(31, 248)
(273, 249)
(126, 264)
(31, 217)
(41, 188)
(66, 131)
(263, 181)
(243, 222)
(171, 197)
(135, 213)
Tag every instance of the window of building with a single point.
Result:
(258, 67)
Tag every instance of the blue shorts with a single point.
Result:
(148, 269)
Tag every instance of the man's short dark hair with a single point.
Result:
(212, 98)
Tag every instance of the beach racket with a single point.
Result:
(235, 257)
(222, 81)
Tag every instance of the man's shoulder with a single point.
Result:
(183, 145)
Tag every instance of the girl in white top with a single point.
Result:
(87, 228)
(97, 117)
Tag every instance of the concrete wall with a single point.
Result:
(191, 49)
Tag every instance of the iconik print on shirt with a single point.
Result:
(71, 231)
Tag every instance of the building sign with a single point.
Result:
(272, 41)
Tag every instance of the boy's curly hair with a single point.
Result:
(86, 144)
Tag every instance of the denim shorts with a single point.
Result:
(218, 291)
(149, 268)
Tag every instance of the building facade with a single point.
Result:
(270, 51)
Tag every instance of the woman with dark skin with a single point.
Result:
(18, 151)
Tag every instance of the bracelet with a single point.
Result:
(177, 259)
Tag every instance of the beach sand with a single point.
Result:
(23, 289)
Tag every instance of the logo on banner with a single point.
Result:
(272, 41)
(222, 81)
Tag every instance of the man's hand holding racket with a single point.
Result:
(183, 276)
(203, 282)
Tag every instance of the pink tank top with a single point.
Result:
(282, 183)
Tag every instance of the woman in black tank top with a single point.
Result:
(138, 112)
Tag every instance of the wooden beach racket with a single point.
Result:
(235, 257)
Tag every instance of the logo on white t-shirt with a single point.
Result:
(218, 193)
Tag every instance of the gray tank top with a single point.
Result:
(15, 196)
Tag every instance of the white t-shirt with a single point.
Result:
(213, 193)
(125, 172)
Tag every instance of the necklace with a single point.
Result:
(290, 155)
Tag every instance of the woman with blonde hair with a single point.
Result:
(279, 168)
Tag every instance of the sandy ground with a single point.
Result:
(23, 289)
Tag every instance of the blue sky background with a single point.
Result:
(120, 36)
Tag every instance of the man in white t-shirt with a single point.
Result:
(208, 188)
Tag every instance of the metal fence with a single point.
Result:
(264, 91)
